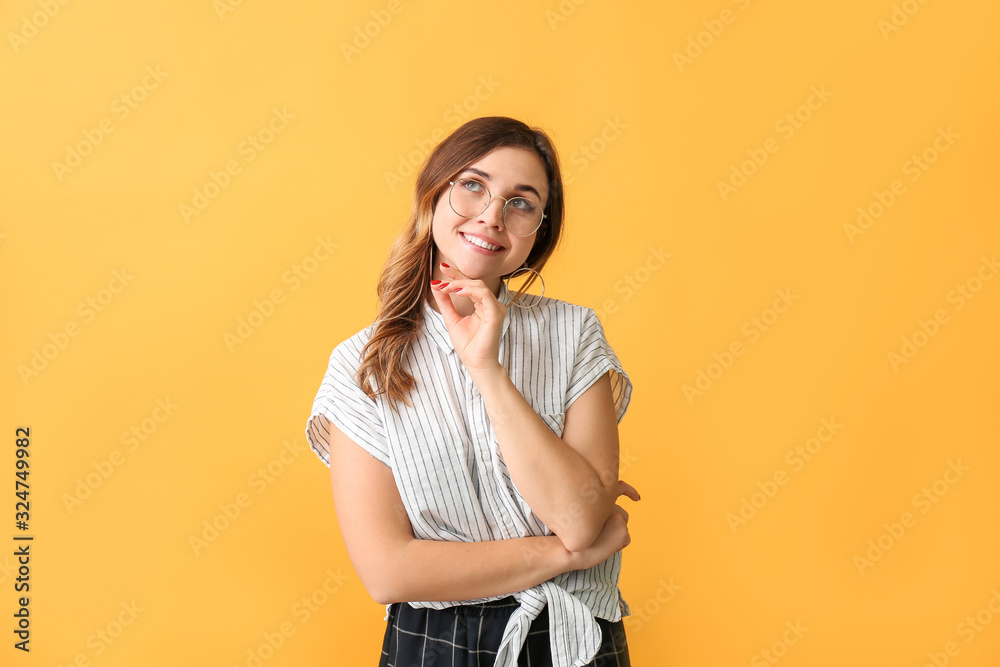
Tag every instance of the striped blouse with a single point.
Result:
(447, 463)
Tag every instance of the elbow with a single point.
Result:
(381, 580)
(378, 589)
(381, 588)
(575, 542)
(387, 572)
(580, 534)
(380, 597)
(580, 529)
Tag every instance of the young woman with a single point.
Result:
(472, 432)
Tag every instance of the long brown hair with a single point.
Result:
(403, 283)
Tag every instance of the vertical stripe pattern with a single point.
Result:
(447, 463)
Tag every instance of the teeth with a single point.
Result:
(481, 243)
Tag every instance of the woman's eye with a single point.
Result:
(473, 186)
(523, 205)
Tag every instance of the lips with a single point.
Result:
(480, 242)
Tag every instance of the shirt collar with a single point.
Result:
(438, 331)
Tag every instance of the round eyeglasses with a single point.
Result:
(470, 197)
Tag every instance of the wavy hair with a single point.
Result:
(404, 282)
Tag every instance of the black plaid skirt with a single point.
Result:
(469, 636)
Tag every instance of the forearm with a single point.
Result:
(559, 484)
(433, 570)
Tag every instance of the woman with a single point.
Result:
(471, 432)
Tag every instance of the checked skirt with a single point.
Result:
(469, 636)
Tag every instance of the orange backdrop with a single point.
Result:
(785, 214)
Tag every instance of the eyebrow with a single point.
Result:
(522, 188)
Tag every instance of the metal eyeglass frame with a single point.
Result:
(503, 213)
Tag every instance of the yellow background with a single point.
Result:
(645, 137)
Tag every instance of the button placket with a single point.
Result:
(481, 435)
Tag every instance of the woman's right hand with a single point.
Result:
(614, 536)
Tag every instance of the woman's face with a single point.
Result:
(507, 172)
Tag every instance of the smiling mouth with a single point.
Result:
(481, 243)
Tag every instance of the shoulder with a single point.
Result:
(556, 309)
(346, 355)
(561, 319)
(353, 345)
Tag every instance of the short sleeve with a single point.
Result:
(343, 403)
(594, 358)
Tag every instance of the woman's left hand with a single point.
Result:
(476, 337)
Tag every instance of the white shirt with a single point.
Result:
(447, 463)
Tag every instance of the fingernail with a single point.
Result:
(445, 265)
(458, 289)
(443, 285)
(435, 282)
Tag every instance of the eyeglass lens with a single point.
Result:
(470, 197)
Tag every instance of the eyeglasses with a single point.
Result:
(470, 197)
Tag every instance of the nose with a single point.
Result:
(493, 213)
